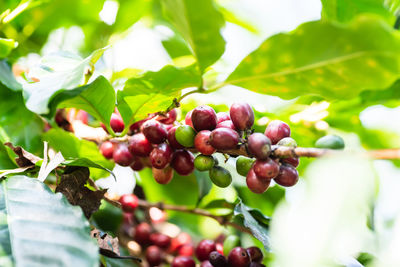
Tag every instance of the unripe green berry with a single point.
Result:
(330, 141)
(203, 162)
(287, 141)
(220, 176)
(185, 134)
(243, 165)
(231, 242)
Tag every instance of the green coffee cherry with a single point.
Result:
(287, 141)
(330, 141)
(231, 241)
(220, 176)
(243, 165)
(203, 162)
(185, 134)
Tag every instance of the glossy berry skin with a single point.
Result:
(222, 116)
(217, 259)
(204, 163)
(137, 164)
(255, 254)
(226, 124)
(277, 130)
(266, 169)
(122, 156)
(186, 250)
(135, 127)
(206, 264)
(259, 145)
(255, 184)
(161, 156)
(204, 118)
(219, 247)
(238, 257)
(230, 243)
(292, 161)
(154, 255)
(139, 145)
(154, 131)
(183, 162)
(243, 165)
(183, 261)
(188, 119)
(220, 176)
(242, 115)
(185, 135)
(116, 123)
(202, 143)
(172, 139)
(224, 138)
(107, 149)
(160, 240)
(288, 176)
(169, 118)
(129, 202)
(142, 233)
(204, 248)
(163, 176)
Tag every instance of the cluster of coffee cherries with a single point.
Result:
(158, 247)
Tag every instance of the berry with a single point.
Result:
(186, 250)
(183, 261)
(180, 240)
(242, 115)
(287, 141)
(288, 175)
(230, 243)
(169, 118)
(183, 162)
(202, 143)
(206, 264)
(154, 255)
(266, 169)
(243, 165)
(137, 164)
(224, 138)
(122, 156)
(255, 184)
(172, 139)
(204, 118)
(161, 156)
(204, 163)
(217, 259)
(277, 130)
(107, 149)
(330, 141)
(185, 134)
(135, 127)
(255, 254)
(163, 176)
(222, 116)
(116, 123)
(226, 124)
(259, 145)
(139, 145)
(154, 131)
(129, 202)
(238, 257)
(188, 119)
(204, 248)
(220, 176)
(292, 161)
(160, 240)
(142, 233)
(220, 248)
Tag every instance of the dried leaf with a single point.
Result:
(24, 158)
(17, 170)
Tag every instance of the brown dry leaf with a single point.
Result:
(24, 158)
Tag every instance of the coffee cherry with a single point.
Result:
(224, 138)
(206, 264)
(135, 127)
(183, 162)
(242, 115)
(238, 257)
(230, 243)
(172, 139)
(183, 261)
(154, 131)
(292, 161)
(255, 254)
(204, 118)
(129, 202)
(186, 250)
(219, 247)
(217, 259)
(255, 184)
(256, 264)
(180, 240)
(163, 176)
(142, 233)
(288, 175)
(220, 176)
(204, 163)
(169, 118)
(287, 141)
(137, 164)
(161, 156)
(154, 255)
(243, 165)
(122, 156)
(226, 124)
(160, 240)
(330, 142)
(277, 130)
(188, 119)
(222, 116)
(116, 123)
(204, 248)
(266, 169)
(139, 145)
(107, 149)
(185, 134)
(202, 143)
(259, 145)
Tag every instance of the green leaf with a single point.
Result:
(7, 77)
(6, 45)
(346, 61)
(83, 162)
(204, 184)
(199, 23)
(59, 236)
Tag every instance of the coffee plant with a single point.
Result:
(192, 133)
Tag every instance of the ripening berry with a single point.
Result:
(185, 135)
(206, 264)
(183, 261)
(243, 165)
(154, 256)
(135, 127)
(255, 184)
(169, 118)
(217, 259)
(142, 233)
(139, 145)
(107, 149)
(226, 124)
(222, 116)
(255, 254)
(277, 130)
(203, 162)
(172, 139)
(154, 131)
(219, 247)
(266, 169)
(116, 123)
(188, 119)
(186, 250)
(129, 202)
(202, 143)
(137, 164)
(204, 118)
(182, 239)
(292, 161)
(242, 115)
(220, 176)
(163, 176)
(122, 156)
(288, 175)
(160, 240)
(238, 257)
(183, 162)
(259, 145)
(230, 243)
(224, 138)
(287, 141)
(161, 156)
(204, 248)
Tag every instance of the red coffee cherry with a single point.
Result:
(222, 116)
(266, 169)
(204, 248)
(292, 161)
(183, 162)
(137, 164)
(154, 131)
(116, 123)
(259, 145)
(276, 130)
(161, 156)
(255, 254)
(288, 176)
(107, 149)
(226, 124)
(224, 138)
(202, 143)
(188, 119)
(172, 140)
(217, 259)
(206, 264)
(204, 118)
(242, 115)
(135, 127)
(163, 176)
(169, 118)
(238, 257)
(142, 233)
(122, 156)
(186, 250)
(139, 145)
(255, 184)
(180, 240)
(183, 261)
(160, 240)
(129, 202)
(154, 255)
